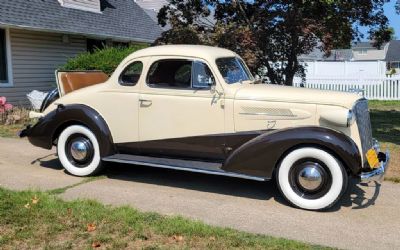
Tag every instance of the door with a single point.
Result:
(179, 113)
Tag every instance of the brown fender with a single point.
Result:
(43, 133)
(260, 156)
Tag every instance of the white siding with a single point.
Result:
(371, 55)
(35, 57)
(88, 5)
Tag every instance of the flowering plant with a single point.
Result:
(4, 106)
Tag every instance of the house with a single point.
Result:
(336, 55)
(365, 51)
(393, 56)
(362, 60)
(37, 36)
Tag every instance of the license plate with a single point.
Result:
(372, 158)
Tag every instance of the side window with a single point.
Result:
(202, 76)
(179, 73)
(170, 74)
(131, 74)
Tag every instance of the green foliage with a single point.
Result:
(106, 59)
(273, 34)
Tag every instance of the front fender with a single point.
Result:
(260, 156)
(48, 127)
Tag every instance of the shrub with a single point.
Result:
(106, 59)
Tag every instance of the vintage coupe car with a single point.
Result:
(199, 109)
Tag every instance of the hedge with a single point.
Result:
(106, 59)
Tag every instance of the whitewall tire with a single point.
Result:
(78, 151)
(311, 178)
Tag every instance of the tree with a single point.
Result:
(273, 34)
(392, 34)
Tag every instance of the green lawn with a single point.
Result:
(41, 220)
(385, 119)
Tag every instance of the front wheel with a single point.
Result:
(311, 178)
(78, 151)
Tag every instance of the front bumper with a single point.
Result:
(378, 173)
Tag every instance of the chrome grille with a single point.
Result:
(364, 125)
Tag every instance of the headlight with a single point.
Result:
(351, 118)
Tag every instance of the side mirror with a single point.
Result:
(214, 89)
(257, 79)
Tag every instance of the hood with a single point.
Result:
(269, 92)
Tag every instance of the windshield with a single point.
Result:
(233, 70)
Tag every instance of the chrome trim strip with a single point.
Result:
(268, 114)
(195, 170)
(376, 174)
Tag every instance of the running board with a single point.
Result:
(177, 164)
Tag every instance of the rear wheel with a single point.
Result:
(311, 178)
(78, 151)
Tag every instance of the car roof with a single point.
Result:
(200, 51)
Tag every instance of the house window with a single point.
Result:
(3, 57)
(395, 65)
(93, 45)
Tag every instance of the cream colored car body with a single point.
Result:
(225, 108)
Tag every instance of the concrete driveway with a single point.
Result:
(367, 217)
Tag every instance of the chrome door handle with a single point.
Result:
(144, 100)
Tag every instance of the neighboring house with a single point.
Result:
(362, 60)
(336, 55)
(393, 56)
(37, 36)
(365, 51)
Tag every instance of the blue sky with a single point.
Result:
(394, 20)
(393, 17)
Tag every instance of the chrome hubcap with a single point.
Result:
(80, 149)
(310, 178)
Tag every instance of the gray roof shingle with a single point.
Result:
(393, 52)
(120, 19)
(336, 55)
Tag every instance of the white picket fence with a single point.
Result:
(371, 88)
